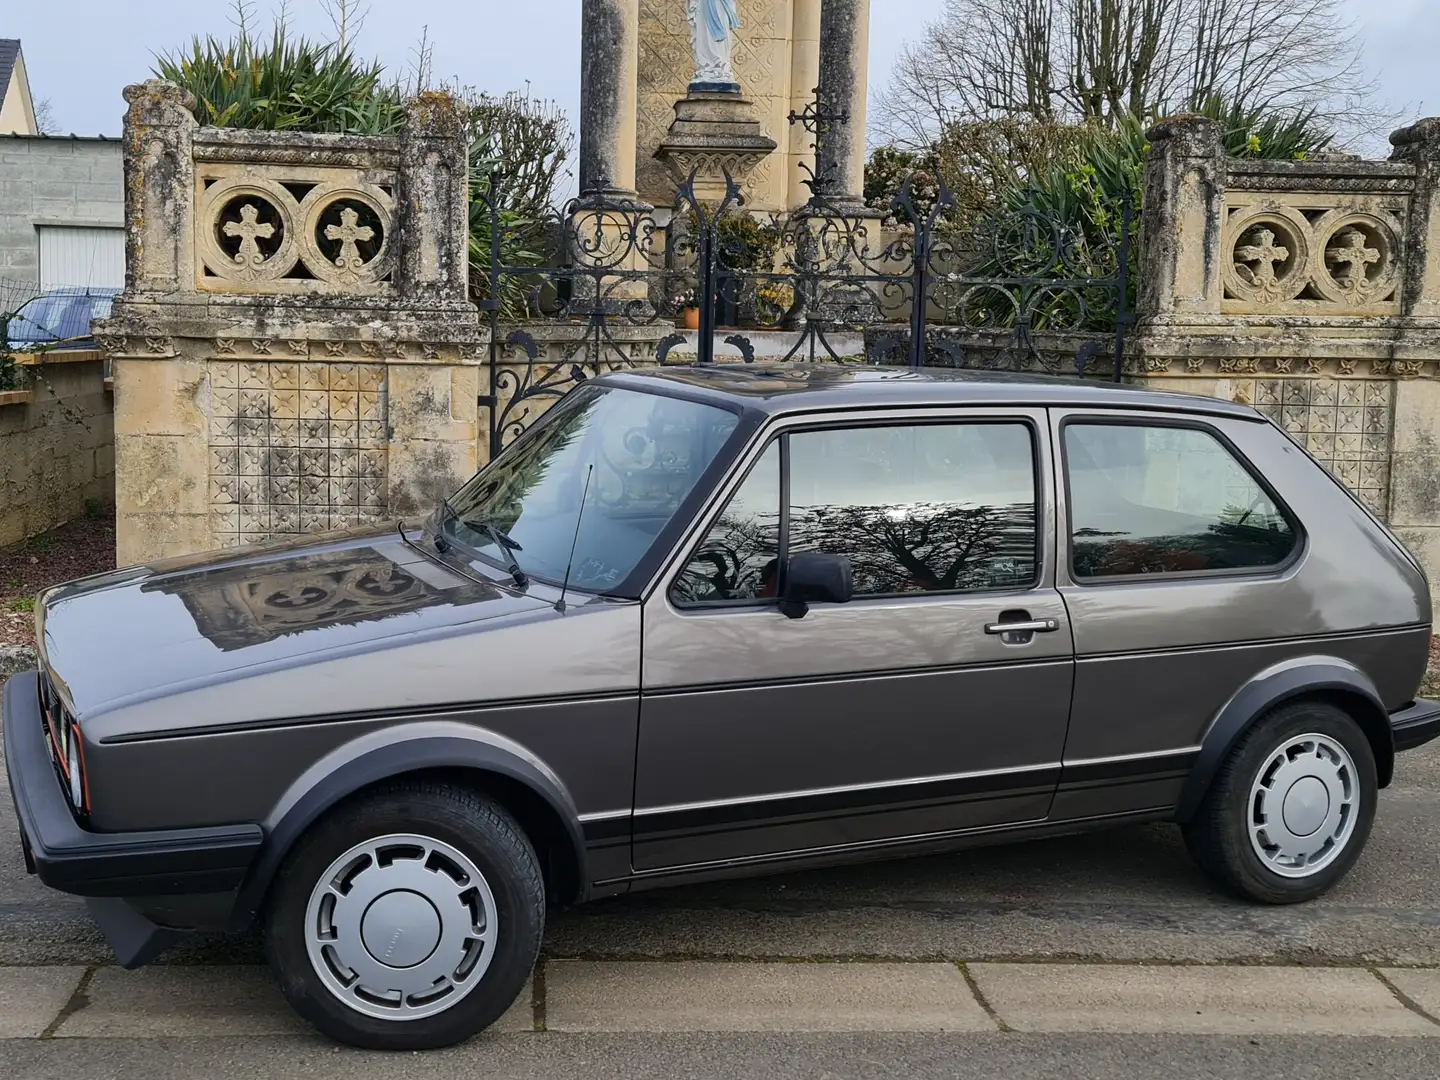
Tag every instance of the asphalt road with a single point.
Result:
(727, 1057)
(1129, 894)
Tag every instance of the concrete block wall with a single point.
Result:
(54, 180)
(57, 445)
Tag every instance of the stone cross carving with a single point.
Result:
(713, 24)
(347, 232)
(248, 228)
(1266, 255)
(1350, 255)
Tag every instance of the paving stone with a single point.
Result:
(189, 1001)
(32, 997)
(1131, 999)
(1421, 986)
(180, 1002)
(678, 997)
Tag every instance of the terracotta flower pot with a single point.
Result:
(692, 318)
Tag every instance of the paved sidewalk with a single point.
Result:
(665, 997)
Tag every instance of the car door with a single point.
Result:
(1178, 572)
(937, 700)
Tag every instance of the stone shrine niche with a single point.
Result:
(761, 61)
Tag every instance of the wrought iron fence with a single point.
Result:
(825, 283)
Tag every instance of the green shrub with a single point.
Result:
(1074, 195)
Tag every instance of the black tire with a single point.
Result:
(473, 825)
(1218, 835)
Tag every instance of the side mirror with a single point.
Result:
(813, 578)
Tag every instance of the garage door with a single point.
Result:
(81, 256)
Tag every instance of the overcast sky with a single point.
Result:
(80, 53)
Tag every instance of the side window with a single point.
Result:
(1165, 500)
(738, 558)
(918, 508)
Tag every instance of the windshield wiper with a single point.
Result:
(507, 548)
(498, 536)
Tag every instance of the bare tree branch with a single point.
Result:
(1089, 60)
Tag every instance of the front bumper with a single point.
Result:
(72, 859)
(1416, 724)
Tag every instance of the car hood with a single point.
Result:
(121, 638)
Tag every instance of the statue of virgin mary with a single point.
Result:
(713, 24)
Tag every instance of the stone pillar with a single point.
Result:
(1184, 206)
(159, 179)
(804, 77)
(844, 81)
(431, 210)
(1419, 145)
(609, 64)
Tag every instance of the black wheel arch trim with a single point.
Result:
(1295, 678)
(391, 755)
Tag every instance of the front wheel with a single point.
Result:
(1291, 808)
(409, 920)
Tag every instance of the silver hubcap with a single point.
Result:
(401, 927)
(1303, 806)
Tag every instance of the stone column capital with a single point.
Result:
(1185, 135)
(1418, 142)
(434, 114)
(157, 103)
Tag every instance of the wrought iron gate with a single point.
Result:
(1027, 290)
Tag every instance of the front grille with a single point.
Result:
(66, 747)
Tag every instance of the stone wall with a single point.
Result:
(56, 444)
(47, 180)
(295, 350)
(1310, 290)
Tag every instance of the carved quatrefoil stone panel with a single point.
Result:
(273, 229)
(1311, 259)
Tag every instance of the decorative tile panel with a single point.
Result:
(295, 448)
(1346, 424)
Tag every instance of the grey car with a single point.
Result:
(699, 623)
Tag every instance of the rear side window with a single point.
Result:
(1166, 500)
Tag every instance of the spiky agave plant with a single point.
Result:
(287, 84)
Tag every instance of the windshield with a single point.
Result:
(641, 455)
(59, 317)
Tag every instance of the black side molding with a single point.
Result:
(72, 859)
(1416, 724)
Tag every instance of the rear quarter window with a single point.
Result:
(1157, 499)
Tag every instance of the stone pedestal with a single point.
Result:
(714, 134)
(295, 350)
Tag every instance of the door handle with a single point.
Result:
(1033, 626)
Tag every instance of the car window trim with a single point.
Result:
(1163, 420)
(800, 424)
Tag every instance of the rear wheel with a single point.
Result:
(1291, 808)
(409, 920)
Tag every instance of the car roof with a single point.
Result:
(780, 389)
